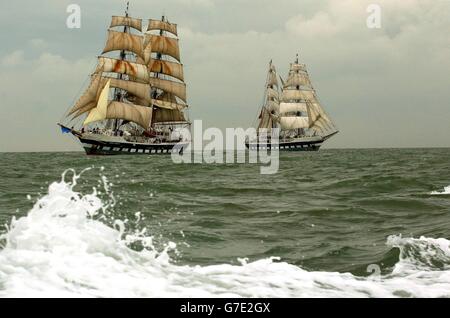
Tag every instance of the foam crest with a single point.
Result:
(446, 191)
(63, 248)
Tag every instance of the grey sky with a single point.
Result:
(385, 87)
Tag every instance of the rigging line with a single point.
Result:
(329, 123)
(255, 120)
(77, 96)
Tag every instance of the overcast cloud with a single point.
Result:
(383, 87)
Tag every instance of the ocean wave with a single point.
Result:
(446, 191)
(69, 246)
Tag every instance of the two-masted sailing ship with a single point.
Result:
(295, 110)
(136, 100)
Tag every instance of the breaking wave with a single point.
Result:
(69, 246)
(446, 191)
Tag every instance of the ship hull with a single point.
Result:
(289, 145)
(103, 145)
(105, 148)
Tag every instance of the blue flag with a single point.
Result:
(65, 130)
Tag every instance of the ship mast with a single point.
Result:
(167, 76)
(157, 74)
(270, 108)
(146, 80)
(300, 108)
(118, 94)
(300, 131)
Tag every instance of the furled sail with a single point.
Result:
(138, 71)
(167, 68)
(175, 88)
(163, 45)
(126, 21)
(118, 41)
(162, 25)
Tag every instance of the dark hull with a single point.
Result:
(286, 145)
(108, 148)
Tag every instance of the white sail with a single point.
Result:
(175, 88)
(294, 122)
(163, 45)
(118, 41)
(297, 79)
(135, 70)
(90, 96)
(140, 115)
(273, 107)
(140, 90)
(292, 107)
(99, 112)
(162, 25)
(272, 94)
(294, 94)
(319, 120)
(273, 81)
(126, 21)
(168, 68)
(298, 67)
(140, 78)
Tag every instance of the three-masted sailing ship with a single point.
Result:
(295, 110)
(136, 100)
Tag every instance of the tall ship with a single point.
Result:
(135, 102)
(294, 109)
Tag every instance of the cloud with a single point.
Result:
(382, 86)
(201, 3)
(13, 59)
(39, 44)
(319, 25)
(34, 94)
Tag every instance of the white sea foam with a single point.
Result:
(446, 191)
(61, 249)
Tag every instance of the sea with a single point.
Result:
(334, 223)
